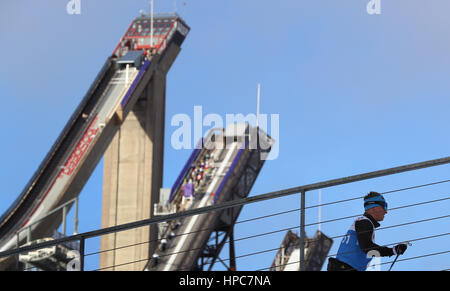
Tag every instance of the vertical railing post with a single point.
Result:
(75, 219)
(302, 231)
(29, 234)
(232, 251)
(17, 255)
(82, 241)
(27, 266)
(64, 220)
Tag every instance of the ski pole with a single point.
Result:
(396, 258)
(394, 262)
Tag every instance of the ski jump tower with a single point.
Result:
(133, 162)
(121, 118)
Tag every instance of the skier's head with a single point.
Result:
(375, 205)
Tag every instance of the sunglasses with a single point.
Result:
(384, 204)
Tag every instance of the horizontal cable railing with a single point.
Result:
(292, 228)
(245, 201)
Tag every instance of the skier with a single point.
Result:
(357, 247)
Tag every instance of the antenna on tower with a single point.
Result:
(151, 23)
(183, 9)
(257, 105)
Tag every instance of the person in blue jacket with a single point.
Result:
(358, 246)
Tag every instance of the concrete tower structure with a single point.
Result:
(133, 171)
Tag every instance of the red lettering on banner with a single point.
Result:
(79, 151)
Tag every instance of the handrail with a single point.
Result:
(63, 207)
(229, 204)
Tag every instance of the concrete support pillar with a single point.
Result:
(133, 168)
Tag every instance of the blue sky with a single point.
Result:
(355, 93)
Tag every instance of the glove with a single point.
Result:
(400, 249)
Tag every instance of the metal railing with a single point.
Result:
(229, 204)
(64, 207)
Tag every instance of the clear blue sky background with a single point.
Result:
(355, 93)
